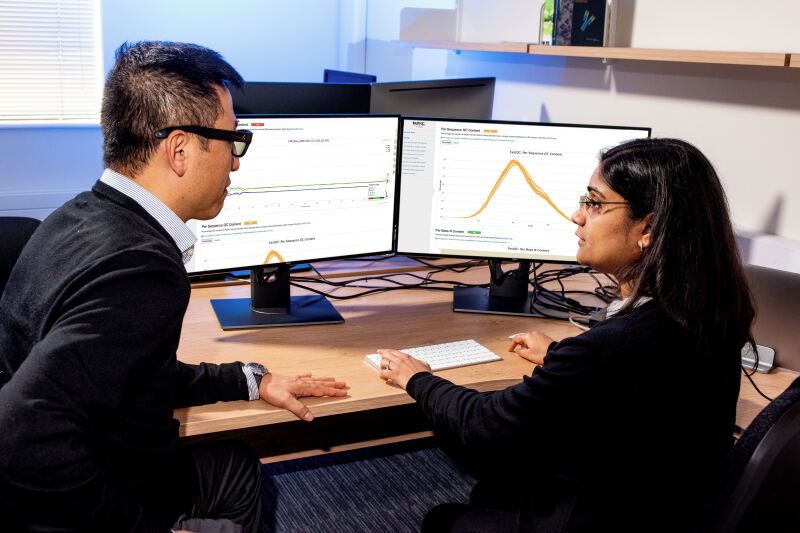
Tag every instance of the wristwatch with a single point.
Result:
(258, 370)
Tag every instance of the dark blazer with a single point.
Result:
(623, 428)
(89, 327)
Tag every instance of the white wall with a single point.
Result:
(746, 119)
(265, 40)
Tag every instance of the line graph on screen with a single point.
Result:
(528, 179)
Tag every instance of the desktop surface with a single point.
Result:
(387, 320)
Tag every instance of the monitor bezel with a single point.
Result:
(395, 206)
(488, 256)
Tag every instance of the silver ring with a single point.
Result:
(387, 364)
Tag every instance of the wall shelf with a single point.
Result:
(520, 48)
(765, 59)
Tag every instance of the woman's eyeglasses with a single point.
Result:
(586, 202)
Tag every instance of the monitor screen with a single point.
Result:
(456, 98)
(497, 190)
(309, 188)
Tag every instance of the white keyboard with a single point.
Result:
(445, 355)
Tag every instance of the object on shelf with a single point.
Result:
(498, 21)
(584, 22)
(546, 22)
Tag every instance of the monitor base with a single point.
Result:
(478, 300)
(237, 313)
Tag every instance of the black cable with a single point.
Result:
(458, 268)
(348, 297)
(753, 383)
(388, 278)
(558, 300)
(426, 283)
(370, 259)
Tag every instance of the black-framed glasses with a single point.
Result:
(586, 201)
(240, 139)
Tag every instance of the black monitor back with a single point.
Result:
(343, 76)
(288, 98)
(470, 98)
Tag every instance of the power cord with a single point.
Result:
(425, 282)
(560, 301)
(753, 383)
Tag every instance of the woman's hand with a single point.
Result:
(531, 346)
(398, 367)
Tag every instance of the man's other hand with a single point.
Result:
(284, 391)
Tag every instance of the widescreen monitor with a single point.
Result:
(497, 190)
(471, 98)
(309, 188)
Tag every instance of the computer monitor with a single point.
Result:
(342, 76)
(500, 191)
(458, 98)
(309, 188)
(289, 98)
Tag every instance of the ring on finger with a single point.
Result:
(387, 364)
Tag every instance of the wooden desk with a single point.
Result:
(397, 319)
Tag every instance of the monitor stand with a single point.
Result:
(270, 304)
(507, 295)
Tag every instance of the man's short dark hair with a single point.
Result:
(154, 85)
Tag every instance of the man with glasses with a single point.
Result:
(91, 317)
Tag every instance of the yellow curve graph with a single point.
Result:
(272, 255)
(538, 190)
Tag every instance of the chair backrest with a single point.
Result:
(764, 470)
(14, 234)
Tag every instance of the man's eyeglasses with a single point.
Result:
(240, 139)
(586, 202)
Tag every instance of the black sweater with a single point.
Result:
(89, 327)
(622, 428)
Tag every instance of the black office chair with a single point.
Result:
(762, 487)
(14, 234)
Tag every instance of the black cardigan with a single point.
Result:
(622, 428)
(89, 327)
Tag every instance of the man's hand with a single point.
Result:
(284, 391)
(531, 346)
(399, 367)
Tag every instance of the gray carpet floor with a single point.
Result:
(379, 489)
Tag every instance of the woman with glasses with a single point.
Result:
(624, 426)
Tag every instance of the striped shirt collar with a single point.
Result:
(180, 233)
(614, 307)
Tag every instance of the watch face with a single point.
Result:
(258, 368)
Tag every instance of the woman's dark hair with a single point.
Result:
(154, 85)
(692, 265)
